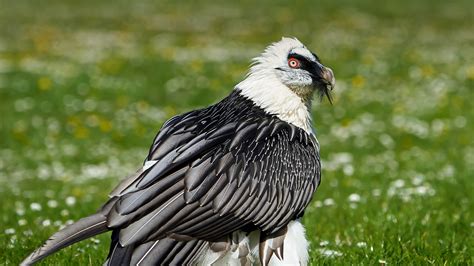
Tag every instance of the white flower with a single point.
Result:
(52, 203)
(399, 183)
(348, 169)
(330, 253)
(329, 202)
(354, 197)
(10, 231)
(46, 223)
(376, 192)
(64, 212)
(324, 243)
(35, 206)
(70, 201)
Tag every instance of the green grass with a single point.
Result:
(84, 86)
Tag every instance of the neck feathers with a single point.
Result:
(264, 88)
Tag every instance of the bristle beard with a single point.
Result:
(325, 92)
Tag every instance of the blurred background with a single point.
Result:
(85, 86)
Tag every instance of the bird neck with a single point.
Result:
(268, 93)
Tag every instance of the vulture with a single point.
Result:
(223, 185)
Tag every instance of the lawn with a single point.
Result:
(85, 86)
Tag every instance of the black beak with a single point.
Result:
(323, 79)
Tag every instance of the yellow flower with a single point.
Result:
(470, 72)
(358, 81)
(427, 71)
(81, 133)
(105, 125)
(44, 83)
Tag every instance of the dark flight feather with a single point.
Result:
(80, 230)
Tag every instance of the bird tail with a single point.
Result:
(80, 230)
(166, 251)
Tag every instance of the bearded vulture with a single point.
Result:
(222, 185)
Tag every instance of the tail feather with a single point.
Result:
(120, 256)
(166, 251)
(80, 230)
(272, 244)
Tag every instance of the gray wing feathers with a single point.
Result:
(204, 185)
(142, 228)
(127, 182)
(166, 252)
(80, 230)
(212, 172)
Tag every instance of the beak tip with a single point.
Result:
(328, 75)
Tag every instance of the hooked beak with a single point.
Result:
(328, 76)
(324, 80)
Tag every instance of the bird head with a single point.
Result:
(284, 78)
(296, 67)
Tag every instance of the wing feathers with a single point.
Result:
(140, 229)
(118, 191)
(163, 166)
(131, 202)
(217, 170)
(80, 230)
(215, 189)
(223, 197)
(196, 174)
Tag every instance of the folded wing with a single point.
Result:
(209, 180)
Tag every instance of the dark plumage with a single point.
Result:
(215, 165)
(231, 167)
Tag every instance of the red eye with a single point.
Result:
(293, 63)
